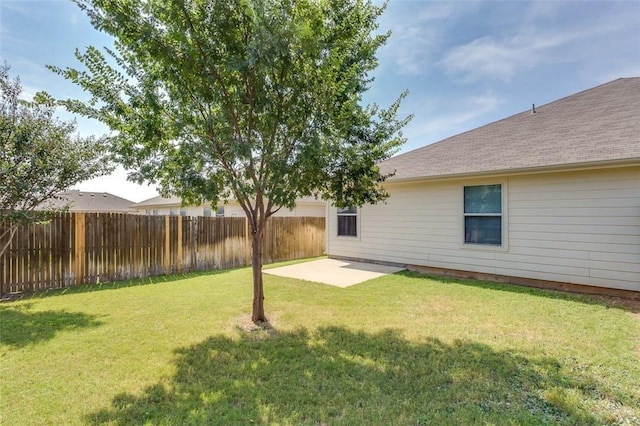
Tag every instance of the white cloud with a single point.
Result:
(632, 70)
(541, 36)
(74, 19)
(15, 6)
(471, 109)
(117, 184)
(28, 92)
(501, 58)
(437, 12)
(410, 49)
(465, 114)
(416, 33)
(542, 10)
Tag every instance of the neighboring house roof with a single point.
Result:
(79, 201)
(160, 201)
(599, 126)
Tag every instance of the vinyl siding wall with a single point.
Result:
(575, 227)
(302, 209)
(234, 210)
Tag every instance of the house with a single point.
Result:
(173, 207)
(548, 198)
(92, 202)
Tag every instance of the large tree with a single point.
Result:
(40, 156)
(259, 100)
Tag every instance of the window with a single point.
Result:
(183, 211)
(483, 215)
(173, 211)
(220, 211)
(348, 222)
(155, 212)
(206, 211)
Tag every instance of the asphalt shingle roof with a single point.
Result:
(597, 125)
(79, 201)
(159, 201)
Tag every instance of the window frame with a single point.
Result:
(348, 212)
(219, 211)
(503, 246)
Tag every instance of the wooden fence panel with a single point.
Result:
(293, 239)
(38, 256)
(85, 248)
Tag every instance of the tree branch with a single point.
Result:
(225, 94)
(13, 228)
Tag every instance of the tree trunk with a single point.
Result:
(258, 291)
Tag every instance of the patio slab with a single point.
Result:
(340, 273)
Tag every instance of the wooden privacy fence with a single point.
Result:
(85, 248)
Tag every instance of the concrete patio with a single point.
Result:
(339, 273)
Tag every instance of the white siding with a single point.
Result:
(166, 210)
(302, 209)
(234, 210)
(575, 227)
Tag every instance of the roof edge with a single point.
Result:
(606, 164)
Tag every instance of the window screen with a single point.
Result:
(348, 222)
(483, 215)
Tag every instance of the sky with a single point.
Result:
(464, 63)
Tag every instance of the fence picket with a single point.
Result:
(84, 248)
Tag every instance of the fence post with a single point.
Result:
(179, 237)
(79, 225)
(167, 245)
(194, 241)
(75, 245)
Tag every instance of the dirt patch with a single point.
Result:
(245, 325)
(629, 304)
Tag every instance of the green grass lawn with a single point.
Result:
(399, 350)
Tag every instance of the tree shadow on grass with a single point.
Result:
(337, 376)
(20, 327)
